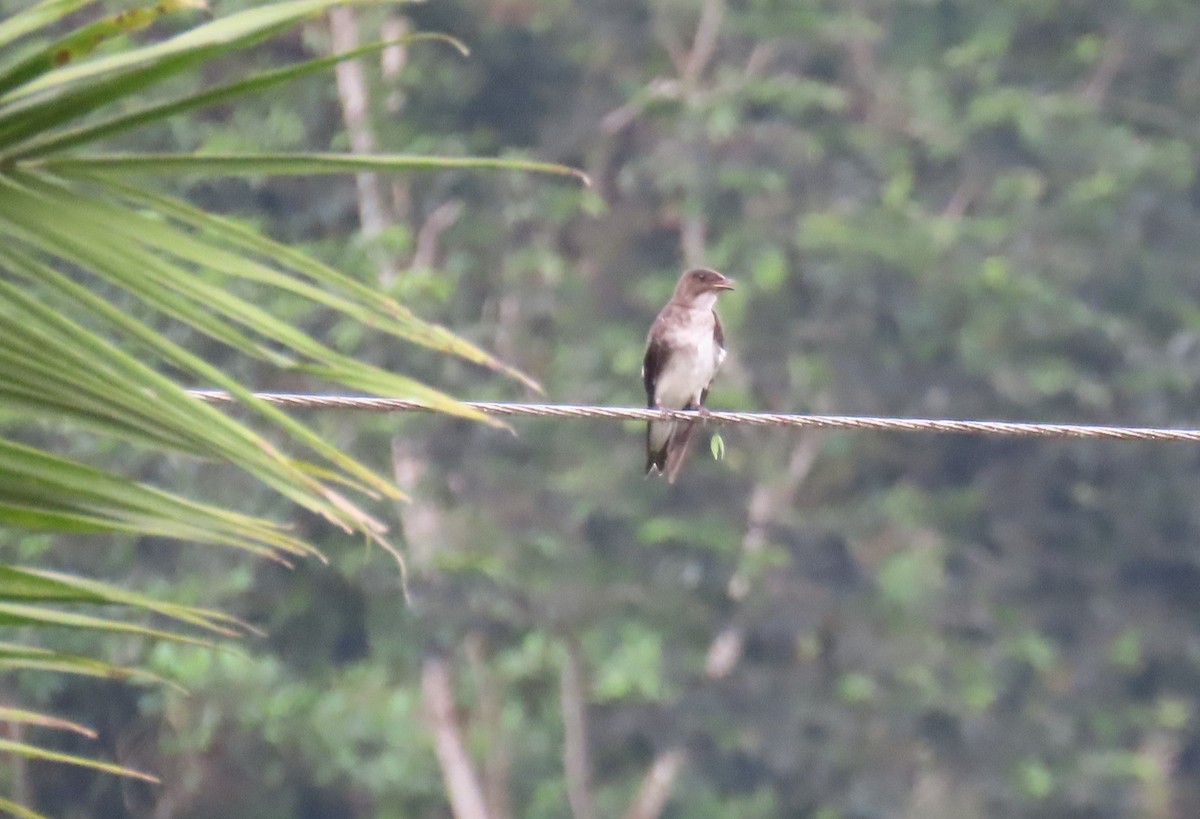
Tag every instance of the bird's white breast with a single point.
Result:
(694, 359)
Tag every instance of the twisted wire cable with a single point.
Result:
(761, 419)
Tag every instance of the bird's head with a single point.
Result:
(699, 282)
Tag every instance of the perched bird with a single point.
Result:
(684, 350)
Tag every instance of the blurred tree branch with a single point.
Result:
(575, 731)
(458, 772)
(374, 214)
(767, 501)
(656, 787)
(497, 763)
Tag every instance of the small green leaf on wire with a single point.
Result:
(717, 445)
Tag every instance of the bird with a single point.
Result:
(684, 349)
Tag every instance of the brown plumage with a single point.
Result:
(684, 350)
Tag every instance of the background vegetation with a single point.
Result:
(967, 208)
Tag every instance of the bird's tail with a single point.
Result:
(667, 446)
(678, 447)
(658, 436)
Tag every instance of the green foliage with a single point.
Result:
(98, 278)
(631, 668)
(965, 209)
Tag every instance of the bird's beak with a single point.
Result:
(725, 284)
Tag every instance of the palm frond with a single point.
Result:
(92, 267)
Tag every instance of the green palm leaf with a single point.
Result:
(19, 811)
(211, 96)
(17, 657)
(37, 16)
(34, 752)
(285, 164)
(92, 267)
(83, 41)
(24, 716)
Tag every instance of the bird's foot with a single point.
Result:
(703, 411)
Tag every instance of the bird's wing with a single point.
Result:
(658, 433)
(657, 353)
(719, 340)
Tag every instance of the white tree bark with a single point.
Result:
(657, 785)
(374, 215)
(458, 772)
(575, 733)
